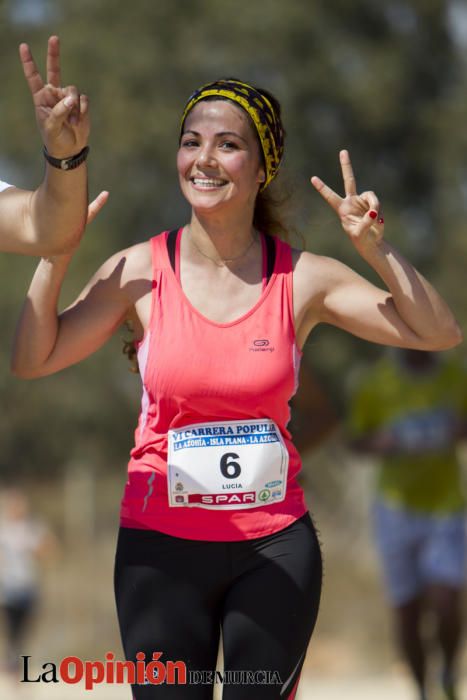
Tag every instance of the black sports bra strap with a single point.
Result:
(270, 251)
(270, 255)
(171, 245)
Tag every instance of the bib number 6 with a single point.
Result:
(231, 470)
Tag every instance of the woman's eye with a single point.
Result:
(190, 143)
(228, 145)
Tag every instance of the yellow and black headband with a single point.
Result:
(262, 113)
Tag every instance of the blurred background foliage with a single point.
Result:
(385, 80)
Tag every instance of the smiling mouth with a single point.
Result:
(207, 183)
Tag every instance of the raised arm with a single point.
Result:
(46, 341)
(408, 313)
(51, 219)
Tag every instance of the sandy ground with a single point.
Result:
(320, 688)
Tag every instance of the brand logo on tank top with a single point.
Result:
(261, 345)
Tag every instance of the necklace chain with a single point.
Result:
(223, 260)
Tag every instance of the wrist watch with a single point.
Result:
(69, 163)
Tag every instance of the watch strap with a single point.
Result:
(69, 163)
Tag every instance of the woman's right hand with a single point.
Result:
(61, 112)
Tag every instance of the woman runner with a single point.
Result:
(215, 532)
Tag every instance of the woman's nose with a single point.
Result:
(206, 156)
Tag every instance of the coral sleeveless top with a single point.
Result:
(213, 459)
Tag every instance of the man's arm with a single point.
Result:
(51, 219)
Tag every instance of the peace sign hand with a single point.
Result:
(360, 214)
(61, 113)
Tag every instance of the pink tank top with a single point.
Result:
(216, 381)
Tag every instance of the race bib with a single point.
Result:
(227, 465)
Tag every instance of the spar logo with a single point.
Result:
(261, 345)
(222, 499)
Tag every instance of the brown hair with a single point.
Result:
(129, 349)
(268, 215)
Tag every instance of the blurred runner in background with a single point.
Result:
(411, 411)
(24, 540)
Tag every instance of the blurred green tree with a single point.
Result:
(386, 80)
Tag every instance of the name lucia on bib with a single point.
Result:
(227, 465)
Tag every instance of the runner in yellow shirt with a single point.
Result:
(411, 410)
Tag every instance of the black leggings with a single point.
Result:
(173, 595)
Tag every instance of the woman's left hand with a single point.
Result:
(96, 205)
(360, 214)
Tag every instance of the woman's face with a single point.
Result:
(219, 160)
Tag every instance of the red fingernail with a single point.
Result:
(373, 213)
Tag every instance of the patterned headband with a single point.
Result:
(267, 122)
